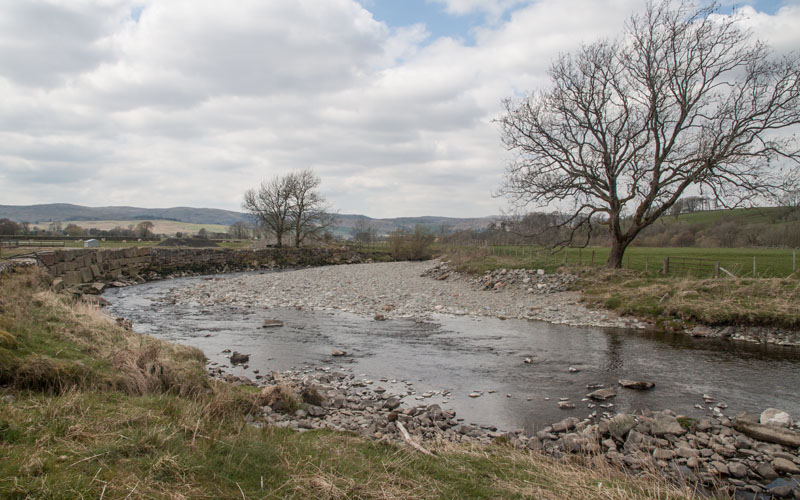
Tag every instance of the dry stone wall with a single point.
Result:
(76, 266)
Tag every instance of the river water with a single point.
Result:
(466, 354)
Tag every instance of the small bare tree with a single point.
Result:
(144, 229)
(270, 205)
(309, 213)
(683, 101)
(364, 232)
(239, 231)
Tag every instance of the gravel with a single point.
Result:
(404, 289)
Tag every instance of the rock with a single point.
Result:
(766, 471)
(573, 369)
(664, 424)
(776, 418)
(785, 466)
(238, 358)
(565, 424)
(720, 467)
(475, 394)
(602, 394)
(392, 403)
(692, 462)
(768, 433)
(687, 452)
(316, 411)
(737, 469)
(337, 353)
(636, 384)
(620, 424)
(782, 491)
(566, 405)
(662, 454)
(272, 323)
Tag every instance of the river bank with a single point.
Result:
(420, 289)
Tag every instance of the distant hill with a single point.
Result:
(63, 212)
(67, 212)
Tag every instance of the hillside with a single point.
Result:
(109, 217)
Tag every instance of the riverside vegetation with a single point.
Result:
(89, 409)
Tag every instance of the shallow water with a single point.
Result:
(465, 354)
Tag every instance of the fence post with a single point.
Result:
(666, 266)
(646, 264)
(592, 257)
(629, 261)
(565, 256)
(794, 260)
(580, 256)
(716, 269)
(754, 266)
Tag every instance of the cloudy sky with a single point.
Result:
(162, 103)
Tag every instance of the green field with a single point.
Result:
(169, 227)
(739, 261)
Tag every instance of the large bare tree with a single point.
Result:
(270, 205)
(682, 102)
(309, 213)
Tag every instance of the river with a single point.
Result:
(465, 354)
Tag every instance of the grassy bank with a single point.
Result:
(684, 296)
(90, 410)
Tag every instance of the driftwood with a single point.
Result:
(768, 433)
(411, 442)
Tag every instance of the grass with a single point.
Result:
(671, 301)
(160, 226)
(139, 423)
(769, 262)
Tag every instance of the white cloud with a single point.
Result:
(198, 101)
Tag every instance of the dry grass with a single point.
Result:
(765, 301)
(60, 343)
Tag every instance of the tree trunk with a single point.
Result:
(618, 247)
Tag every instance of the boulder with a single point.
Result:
(776, 418)
(565, 425)
(785, 466)
(768, 433)
(636, 384)
(238, 358)
(602, 394)
(664, 424)
(620, 424)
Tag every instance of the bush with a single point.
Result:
(407, 245)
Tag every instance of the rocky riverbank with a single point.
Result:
(409, 289)
(738, 456)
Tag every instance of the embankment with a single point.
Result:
(79, 266)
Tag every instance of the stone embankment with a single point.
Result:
(90, 270)
(715, 453)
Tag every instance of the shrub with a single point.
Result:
(407, 245)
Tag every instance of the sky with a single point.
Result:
(161, 103)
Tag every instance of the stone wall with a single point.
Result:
(88, 265)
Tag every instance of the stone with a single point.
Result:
(272, 323)
(785, 466)
(768, 433)
(782, 491)
(737, 469)
(392, 403)
(565, 424)
(687, 452)
(602, 394)
(238, 358)
(720, 467)
(475, 394)
(566, 405)
(620, 424)
(636, 384)
(776, 418)
(662, 454)
(664, 424)
(338, 353)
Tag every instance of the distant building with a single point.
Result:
(91, 243)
